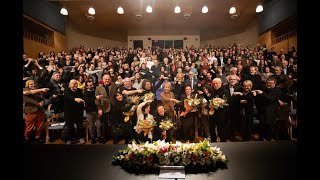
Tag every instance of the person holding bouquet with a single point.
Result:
(164, 128)
(219, 118)
(145, 122)
(188, 114)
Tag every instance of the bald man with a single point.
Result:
(73, 111)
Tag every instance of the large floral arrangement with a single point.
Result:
(216, 103)
(146, 158)
(145, 125)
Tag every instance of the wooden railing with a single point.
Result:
(284, 37)
(38, 39)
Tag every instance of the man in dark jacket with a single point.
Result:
(73, 110)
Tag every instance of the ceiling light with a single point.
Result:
(177, 9)
(205, 9)
(120, 10)
(232, 10)
(149, 9)
(64, 11)
(259, 9)
(91, 11)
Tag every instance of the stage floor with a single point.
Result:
(248, 161)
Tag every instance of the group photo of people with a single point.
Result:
(119, 95)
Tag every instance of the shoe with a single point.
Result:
(82, 141)
(102, 140)
(93, 141)
(68, 142)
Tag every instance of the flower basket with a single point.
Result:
(146, 158)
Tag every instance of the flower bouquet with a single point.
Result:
(166, 124)
(132, 111)
(147, 96)
(216, 103)
(146, 158)
(145, 125)
(189, 104)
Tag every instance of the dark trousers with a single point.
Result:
(205, 126)
(187, 124)
(106, 132)
(218, 120)
(70, 127)
(246, 125)
(57, 104)
(121, 131)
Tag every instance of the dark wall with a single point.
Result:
(46, 12)
(275, 11)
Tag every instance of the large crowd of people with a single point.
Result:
(217, 93)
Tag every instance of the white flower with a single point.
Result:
(223, 158)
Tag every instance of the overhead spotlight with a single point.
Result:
(259, 8)
(177, 9)
(64, 11)
(149, 9)
(91, 11)
(205, 9)
(232, 10)
(120, 10)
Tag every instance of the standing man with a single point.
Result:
(105, 96)
(269, 98)
(220, 116)
(73, 110)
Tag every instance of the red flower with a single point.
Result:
(131, 156)
(150, 158)
(163, 149)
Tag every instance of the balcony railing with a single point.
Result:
(38, 39)
(284, 37)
